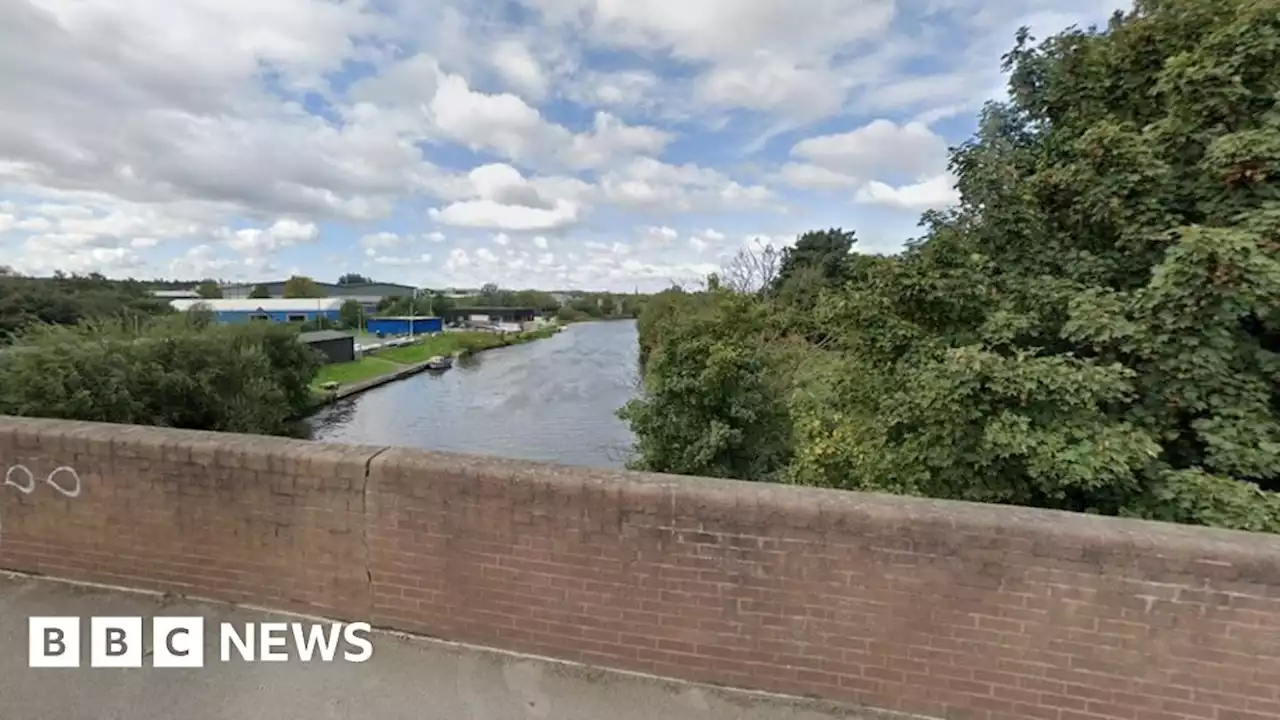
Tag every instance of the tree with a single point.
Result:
(1095, 327)
(70, 300)
(259, 292)
(300, 286)
(826, 250)
(354, 279)
(713, 402)
(753, 269)
(351, 315)
(209, 290)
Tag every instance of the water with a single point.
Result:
(552, 399)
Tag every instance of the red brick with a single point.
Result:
(922, 607)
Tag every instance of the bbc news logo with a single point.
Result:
(178, 642)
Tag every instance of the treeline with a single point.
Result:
(567, 307)
(601, 306)
(1096, 327)
(71, 299)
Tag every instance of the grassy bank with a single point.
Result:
(391, 360)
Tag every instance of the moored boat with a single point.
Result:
(440, 362)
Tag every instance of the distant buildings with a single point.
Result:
(238, 310)
(367, 294)
(489, 315)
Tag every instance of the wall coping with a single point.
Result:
(1057, 533)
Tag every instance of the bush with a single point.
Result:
(177, 373)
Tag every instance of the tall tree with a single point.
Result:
(351, 315)
(353, 279)
(259, 292)
(824, 250)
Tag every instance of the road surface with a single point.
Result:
(405, 677)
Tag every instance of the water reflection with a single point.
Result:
(552, 399)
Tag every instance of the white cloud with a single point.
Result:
(649, 183)
(257, 242)
(935, 192)
(497, 196)
(401, 261)
(814, 177)
(879, 146)
(519, 68)
(239, 128)
(378, 240)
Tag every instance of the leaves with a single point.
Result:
(1095, 328)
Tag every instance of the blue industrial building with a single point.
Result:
(279, 310)
(403, 325)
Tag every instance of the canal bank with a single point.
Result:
(554, 399)
(339, 381)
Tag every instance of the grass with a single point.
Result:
(366, 368)
(389, 360)
(444, 344)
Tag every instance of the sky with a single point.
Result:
(553, 144)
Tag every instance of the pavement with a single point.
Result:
(406, 677)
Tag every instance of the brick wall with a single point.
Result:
(934, 608)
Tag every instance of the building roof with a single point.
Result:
(264, 304)
(403, 317)
(175, 293)
(352, 288)
(493, 310)
(323, 335)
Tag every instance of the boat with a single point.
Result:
(440, 362)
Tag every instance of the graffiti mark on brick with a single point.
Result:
(64, 479)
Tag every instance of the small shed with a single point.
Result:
(335, 346)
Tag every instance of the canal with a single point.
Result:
(552, 399)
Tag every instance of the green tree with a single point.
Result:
(354, 279)
(826, 251)
(259, 292)
(209, 290)
(714, 399)
(351, 314)
(72, 299)
(1095, 327)
(300, 286)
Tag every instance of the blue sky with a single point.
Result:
(594, 144)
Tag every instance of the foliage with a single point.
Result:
(354, 279)
(301, 286)
(825, 251)
(1096, 327)
(351, 314)
(259, 292)
(67, 300)
(319, 322)
(209, 290)
(403, 305)
(180, 372)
